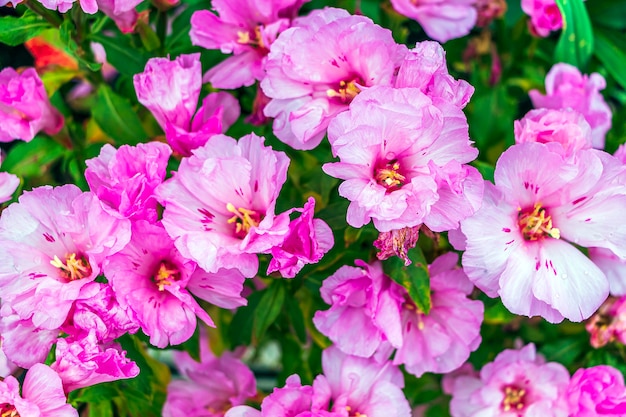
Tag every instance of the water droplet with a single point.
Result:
(563, 276)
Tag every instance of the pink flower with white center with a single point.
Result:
(518, 242)
(124, 179)
(24, 106)
(219, 206)
(564, 126)
(8, 185)
(365, 310)
(41, 395)
(247, 30)
(545, 16)
(150, 278)
(208, 388)
(425, 67)
(608, 325)
(517, 383)
(170, 90)
(84, 362)
(317, 67)
(402, 157)
(63, 237)
(307, 240)
(442, 340)
(597, 391)
(566, 88)
(442, 20)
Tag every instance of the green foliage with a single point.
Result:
(17, 30)
(117, 118)
(576, 42)
(414, 278)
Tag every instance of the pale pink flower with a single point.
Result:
(149, 277)
(6, 366)
(209, 387)
(23, 343)
(620, 153)
(442, 20)
(564, 126)
(402, 156)
(83, 362)
(307, 240)
(609, 323)
(122, 12)
(517, 383)
(124, 179)
(613, 267)
(317, 67)
(518, 243)
(219, 206)
(597, 391)
(8, 185)
(545, 16)
(246, 29)
(24, 106)
(41, 395)
(566, 88)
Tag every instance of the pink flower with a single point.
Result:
(8, 185)
(545, 16)
(23, 343)
(149, 277)
(24, 106)
(613, 267)
(219, 206)
(517, 383)
(397, 243)
(307, 240)
(124, 180)
(566, 88)
(6, 366)
(442, 20)
(122, 12)
(402, 157)
(62, 239)
(82, 363)
(41, 395)
(609, 323)
(620, 153)
(209, 388)
(170, 90)
(245, 29)
(317, 67)
(564, 126)
(518, 242)
(597, 391)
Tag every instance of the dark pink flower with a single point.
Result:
(596, 391)
(545, 16)
(24, 106)
(608, 324)
(397, 242)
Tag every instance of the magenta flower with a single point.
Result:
(149, 277)
(209, 388)
(124, 180)
(564, 126)
(609, 323)
(442, 20)
(41, 395)
(566, 88)
(545, 16)
(317, 67)
(597, 391)
(122, 12)
(24, 106)
(307, 240)
(83, 363)
(517, 383)
(518, 242)
(63, 238)
(8, 185)
(402, 157)
(247, 30)
(219, 206)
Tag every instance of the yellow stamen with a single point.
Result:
(389, 177)
(346, 91)
(255, 40)
(243, 219)
(513, 398)
(166, 275)
(8, 410)
(73, 269)
(537, 225)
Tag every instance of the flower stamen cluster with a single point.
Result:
(73, 269)
(346, 92)
(536, 225)
(513, 398)
(244, 219)
(256, 40)
(166, 275)
(389, 176)
(8, 410)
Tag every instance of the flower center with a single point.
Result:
(513, 398)
(8, 410)
(389, 176)
(346, 92)
(165, 275)
(355, 413)
(252, 38)
(73, 268)
(536, 224)
(243, 219)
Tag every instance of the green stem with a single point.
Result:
(50, 15)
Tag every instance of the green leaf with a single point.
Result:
(117, 118)
(297, 318)
(55, 79)
(33, 159)
(610, 48)
(17, 30)
(576, 43)
(485, 169)
(414, 278)
(607, 13)
(240, 329)
(66, 33)
(269, 308)
(126, 58)
(102, 409)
